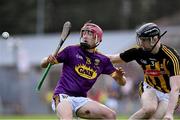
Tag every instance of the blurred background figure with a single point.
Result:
(128, 94)
(37, 23)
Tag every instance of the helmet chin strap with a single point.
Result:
(85, 45)
(157, 41)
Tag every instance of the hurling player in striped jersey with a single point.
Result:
(159, 92)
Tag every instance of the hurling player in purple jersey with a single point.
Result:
(82, 64)
(159, 91)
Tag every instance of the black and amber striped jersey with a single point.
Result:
(158, 68)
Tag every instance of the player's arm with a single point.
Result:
(50, 59)
(115, 58)
(174, 95)
(61, 57)
(118, 76)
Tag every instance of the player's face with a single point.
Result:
(88, 37)
(145, 43)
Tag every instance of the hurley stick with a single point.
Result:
(64, 35)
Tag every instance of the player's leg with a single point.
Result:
(149, 104)
(162, 106)
(62, 106)
(161, 110)
(95, 110)
(64, 110)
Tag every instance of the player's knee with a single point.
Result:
(149, 110)
(64, 115)
(110, 115)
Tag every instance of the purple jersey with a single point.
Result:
(80, 70)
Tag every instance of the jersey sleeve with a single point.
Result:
(129, 55)
(108, 67)
(174, 63)
(62, 56)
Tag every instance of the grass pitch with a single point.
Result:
(41, 117)
(51, 117)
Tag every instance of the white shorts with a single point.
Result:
(160, 95)
(76, 102)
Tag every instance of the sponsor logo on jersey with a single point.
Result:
(143, 61)
(154, 73)
(85, 71)
(153, 59)
(96, 62)
(79, 56)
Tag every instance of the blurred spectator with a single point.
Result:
(128, 95)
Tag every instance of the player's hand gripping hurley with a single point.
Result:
(64, 35)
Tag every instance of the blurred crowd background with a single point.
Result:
(35, 27)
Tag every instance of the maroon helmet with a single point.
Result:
(95, 29)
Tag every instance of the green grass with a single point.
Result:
(28, 117)
(49, 117)
(39, 117)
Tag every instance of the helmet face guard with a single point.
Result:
(97, 33)
(149, 40)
